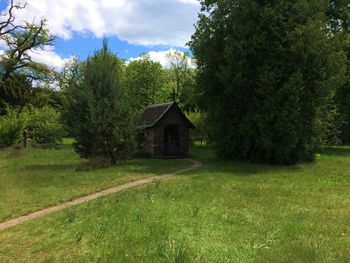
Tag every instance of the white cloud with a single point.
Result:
(144, 22)
(160, 56)
(49, 57)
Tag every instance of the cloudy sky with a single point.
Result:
(133, 26)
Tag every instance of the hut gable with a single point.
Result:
(165, 130)
(155, 113)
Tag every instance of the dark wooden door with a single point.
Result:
(171, 140)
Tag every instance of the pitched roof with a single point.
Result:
(154, 113)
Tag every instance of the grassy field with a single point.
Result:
(223, 212)
(36, 178)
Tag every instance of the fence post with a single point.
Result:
(25, 139)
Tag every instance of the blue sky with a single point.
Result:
(132, 26)
(83, 44)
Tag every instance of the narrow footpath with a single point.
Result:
(119, 188)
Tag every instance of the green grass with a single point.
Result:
(36, 178)
(224, 212)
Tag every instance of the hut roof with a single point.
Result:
(154, 113)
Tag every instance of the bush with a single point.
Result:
(11, 127)
(44, 124)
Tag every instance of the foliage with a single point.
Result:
(69, 80)
(188, 97)
(201, 131)
(44, 124)
(17, 69)
(266, 80)
(339, 20)
(178, 70)
(338, 12)
(102, 122)
(11, 127)
(331, 127)
(146, 82)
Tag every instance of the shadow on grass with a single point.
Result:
(336, 151)
(214, 165)
(136, 166)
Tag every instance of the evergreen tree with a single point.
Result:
(267, 68)
(99, 102)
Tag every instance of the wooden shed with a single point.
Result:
(165, 131)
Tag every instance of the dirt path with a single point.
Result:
(119, 188)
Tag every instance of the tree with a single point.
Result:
(265, 80)
(103, 123)
(178, 69)
(145, 81)
(338, 13)
(342, 101)
(16, 65)
(188, 97)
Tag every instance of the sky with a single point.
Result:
(154, 27)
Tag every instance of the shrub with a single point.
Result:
(11, 127)
(44, 124)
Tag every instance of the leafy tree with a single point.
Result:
(17, 69)
(179, 70)
(103, 123)
(43, 124)
(145, 81)
(339, 20)
(342, 100)
(11, 127)
(202, 131)
(188, 97)
(69, 81)
(338, 12)
(265, 80)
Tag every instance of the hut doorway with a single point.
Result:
(171, 140)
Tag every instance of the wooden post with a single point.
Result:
(25, 139)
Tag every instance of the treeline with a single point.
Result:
(96, 100)
(271, 84)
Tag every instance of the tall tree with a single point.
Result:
(179, 69)
(338, 13)
(19, 40)
(145, 81)
(267, 68)
(103, 123)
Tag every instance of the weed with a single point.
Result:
(176, 253)
(78, 236)
(195, 210)
(70, 216)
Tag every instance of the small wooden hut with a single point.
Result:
(165, 131)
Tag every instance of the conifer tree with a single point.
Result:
(99, 102)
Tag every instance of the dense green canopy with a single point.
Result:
(267, 69)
